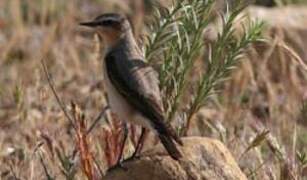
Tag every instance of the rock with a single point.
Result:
(287, 23)
(204, 158)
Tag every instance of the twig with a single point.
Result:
(255, 171)
(52, 87)
(48, 176)
(97, 119)
(277, 150)
(98, 167)
(13, 172)
(293, 54)
(75, 151)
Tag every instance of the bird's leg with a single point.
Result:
(139, 144)
(121, 152)
(122, 147)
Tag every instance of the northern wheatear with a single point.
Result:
(132, 85)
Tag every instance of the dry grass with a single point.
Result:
(37, 141)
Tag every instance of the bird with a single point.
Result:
(131, 84)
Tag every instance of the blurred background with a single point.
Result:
(266, 93)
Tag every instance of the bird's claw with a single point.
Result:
(133, 157)
(117, 166)
(120, 164)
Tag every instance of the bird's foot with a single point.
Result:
(118, 165)
(121, 163)
(132, 157)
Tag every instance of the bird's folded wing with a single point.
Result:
(138, 84)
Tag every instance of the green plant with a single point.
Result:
(302, 159)
(177, 39)
(66, 165)
(18, 95)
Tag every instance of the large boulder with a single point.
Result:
(287, 23)
(203, 158)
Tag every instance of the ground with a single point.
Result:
(266, 92)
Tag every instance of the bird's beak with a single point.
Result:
(90, 24)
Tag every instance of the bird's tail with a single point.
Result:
(168, 137)
(170, 146)
(171, 132)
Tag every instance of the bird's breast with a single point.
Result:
(118, 104)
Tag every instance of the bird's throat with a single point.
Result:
(124, 44)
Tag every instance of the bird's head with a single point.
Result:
(110, 26)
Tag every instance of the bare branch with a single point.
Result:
(97, 119)
(52, 87)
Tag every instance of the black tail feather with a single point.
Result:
(170, 146)
(168, 137)
(173, 134)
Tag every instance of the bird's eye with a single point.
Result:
(107, 23)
